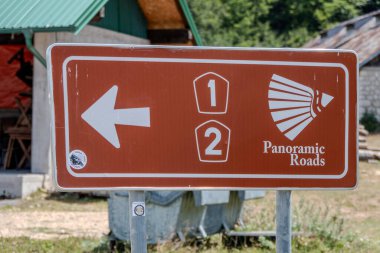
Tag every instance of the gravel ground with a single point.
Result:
(47, 225)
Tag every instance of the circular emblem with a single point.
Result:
(139, 210)
(77, 159)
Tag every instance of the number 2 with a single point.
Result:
(210, 150)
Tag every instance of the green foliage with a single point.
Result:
(370, 5)
(322, 224)
(273, 23)
(265, 243)
(370, 122)
(320, 227)
(233, 22)
(299, 21)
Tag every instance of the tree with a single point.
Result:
(370, 5)
(301, 20)
(233, 22)
(271, 23)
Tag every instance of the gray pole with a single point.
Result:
(137, 221)
(284, 222)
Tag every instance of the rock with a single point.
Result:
(363, 145)
(364, 155)
(363, 132)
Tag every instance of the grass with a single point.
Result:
(214, 244)
(331, 221)
(339, 221)
(69, 245)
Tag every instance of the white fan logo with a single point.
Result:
(291, 105)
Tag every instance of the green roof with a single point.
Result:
(190, 21)
(17, 16)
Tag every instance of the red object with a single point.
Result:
(10, 84)
(181, 117)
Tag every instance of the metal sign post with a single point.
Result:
(137, 221)
(283, 222)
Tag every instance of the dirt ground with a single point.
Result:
(47, 225)
(42, 216)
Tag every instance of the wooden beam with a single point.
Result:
(160, 36)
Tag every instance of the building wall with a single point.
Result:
(41, 149)
(369, 91)
(124, 16)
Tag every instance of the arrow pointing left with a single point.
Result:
(103, 116)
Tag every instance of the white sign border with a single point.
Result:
(209, 61)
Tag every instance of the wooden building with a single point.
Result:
(31, 26)
(361, 34)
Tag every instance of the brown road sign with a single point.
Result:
(187, 117)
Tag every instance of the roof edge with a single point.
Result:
(190, 20)
(369, 59)
(75, 27)
(352, 21)
(86, 17)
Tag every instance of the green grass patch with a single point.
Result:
(67, 245)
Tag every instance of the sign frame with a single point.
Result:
(183, 175)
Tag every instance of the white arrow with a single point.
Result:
(103, 116)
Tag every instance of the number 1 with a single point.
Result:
(211, 85)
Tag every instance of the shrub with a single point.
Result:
(370, 122)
